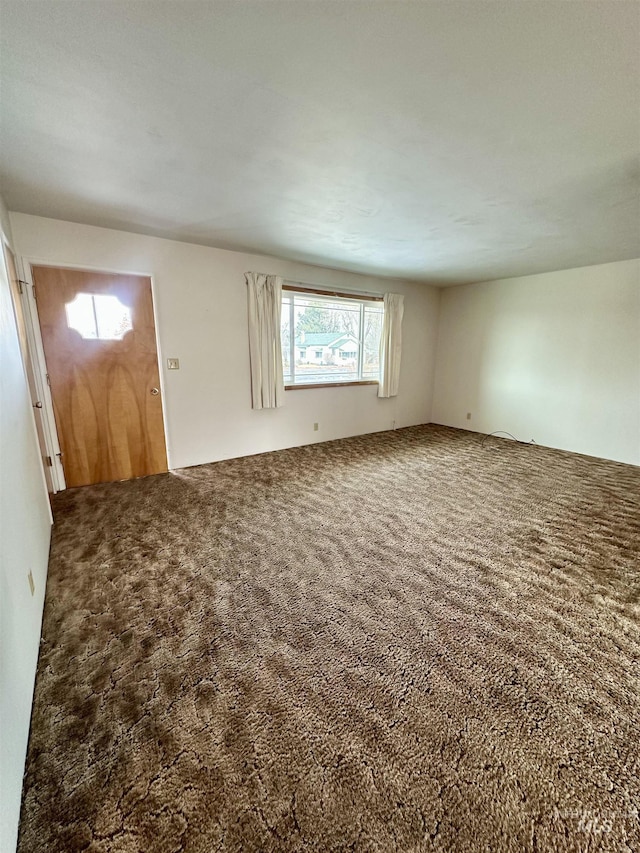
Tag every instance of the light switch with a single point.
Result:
(173, 363)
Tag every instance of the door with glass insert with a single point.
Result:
(99, 340)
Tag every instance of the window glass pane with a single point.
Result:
(327, 339)
(285, 337)
(372, 332)
(98, 316)
(81, 317)
(114, 318)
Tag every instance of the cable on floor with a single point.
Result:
(504, 432)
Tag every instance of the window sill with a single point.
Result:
(300, 387)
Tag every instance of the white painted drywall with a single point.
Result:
(25, 525)
(201, 307)
(553, 357)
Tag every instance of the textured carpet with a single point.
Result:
(400, 642)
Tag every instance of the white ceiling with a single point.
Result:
(438, 141)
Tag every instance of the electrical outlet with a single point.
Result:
(173, 364)
(468, 416)
(315, 427)
(32, 585)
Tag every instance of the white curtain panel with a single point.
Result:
(391, 345)
(265, 351)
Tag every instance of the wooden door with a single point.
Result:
(36, 402)
(99, 341)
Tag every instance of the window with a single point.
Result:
(329, 338)
(98, 316)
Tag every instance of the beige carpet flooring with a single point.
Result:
(407, 641)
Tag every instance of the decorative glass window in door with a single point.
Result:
(99, 316)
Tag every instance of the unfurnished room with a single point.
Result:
(320, 426)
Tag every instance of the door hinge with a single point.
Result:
(21, 285)
(33, 288)
(48, 380)
(48, 461)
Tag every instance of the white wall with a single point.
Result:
(25, 524)
(200, 299)
(553, 357)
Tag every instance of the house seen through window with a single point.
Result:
(329, 339)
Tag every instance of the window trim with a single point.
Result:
(300, 387)
(299, 288)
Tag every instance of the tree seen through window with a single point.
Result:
(329, 339)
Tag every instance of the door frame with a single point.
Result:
(34, 342)
(34, 380)
(34, 334)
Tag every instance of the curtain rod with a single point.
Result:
(343, 291)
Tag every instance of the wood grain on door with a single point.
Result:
(99, 339)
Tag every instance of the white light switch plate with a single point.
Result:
(173, 363)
